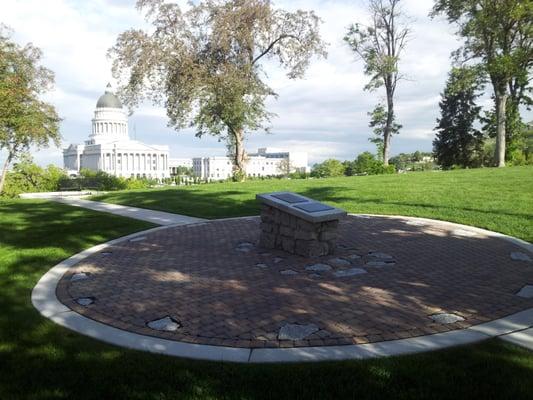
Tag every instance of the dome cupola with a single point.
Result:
(108, 99)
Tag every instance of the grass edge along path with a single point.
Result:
(500, 200)
(41, 360)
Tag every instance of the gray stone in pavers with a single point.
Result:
(138, 239)
(519, 256)
(318, 267)
(339, 262)
(166, 324)
(446, 318)
(387, 263)
(245, 247)
(315, 276)
(296, 331)
(380, 255)
(349, 272)
(80, 276)
(277, 260)
(288, 272)
(85, 301)
(526, 292)
(106, 253)
(354, 257)
(265, 254)
(261, 265)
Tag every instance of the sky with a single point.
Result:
(324, 114)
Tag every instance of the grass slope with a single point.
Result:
(41, 360)
(491, 198)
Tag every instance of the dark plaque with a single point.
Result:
(313, 207)
(290, 198)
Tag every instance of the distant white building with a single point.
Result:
(110, 149)
(175, 163)
(264, 163)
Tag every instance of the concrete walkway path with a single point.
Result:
(143, 214)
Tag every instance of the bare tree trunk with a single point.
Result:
(4, 171)
(501, 102)
(239, 156)
(388, 127)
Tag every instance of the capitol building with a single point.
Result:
(110, 149)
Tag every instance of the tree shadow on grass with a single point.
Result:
(41, 360)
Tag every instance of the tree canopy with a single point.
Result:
(25, 119)
(205, 63)
(499, 36)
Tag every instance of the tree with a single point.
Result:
(205, 64)
(379, 46)
(378, 121)
(500, 35)
(457, 141)
(285, 167)
(366, 163)
(25, 120)
(328, 168)
(27, 176)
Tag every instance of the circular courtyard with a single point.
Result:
(390, 278)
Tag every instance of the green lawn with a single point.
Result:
(491, 198)
(40, 360)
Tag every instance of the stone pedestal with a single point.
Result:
(281, 230)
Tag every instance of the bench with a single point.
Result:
(298, 224)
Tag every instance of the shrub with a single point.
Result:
(27, 177)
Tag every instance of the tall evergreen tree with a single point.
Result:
(457, 141)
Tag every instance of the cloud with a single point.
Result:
(324, 114)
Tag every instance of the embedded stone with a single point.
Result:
(519, 256)
(315, 276)
(318, 267)
(166, 324)
(138, 239)
(349, 272)
(277, 260)
(354, 257)
(85, 301)
(245, 247)
(261, 265)
(288, 272)
(106, 253)
(339, 262)
(296, 331)
(81, 276)
(526, 292)
(446, 318)
(378, 254)
(385, 263)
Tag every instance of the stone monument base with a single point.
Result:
(281, 230)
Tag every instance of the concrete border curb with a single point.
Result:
(44, 299)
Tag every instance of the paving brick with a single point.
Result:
(220, 297)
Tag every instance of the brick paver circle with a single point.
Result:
(220, 290)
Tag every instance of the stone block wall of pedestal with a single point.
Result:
(281, 230)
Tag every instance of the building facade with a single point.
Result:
(264, 163)
(110, 149)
